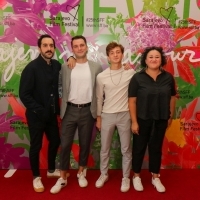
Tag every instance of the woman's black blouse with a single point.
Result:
(153, 97)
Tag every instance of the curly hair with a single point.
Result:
(147, 50)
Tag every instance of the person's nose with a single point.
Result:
(154, 59)
(49, 47)
(79, 47)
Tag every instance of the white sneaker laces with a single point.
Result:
(102, 178)
(39, 183)
(138, 181)
(125, 182)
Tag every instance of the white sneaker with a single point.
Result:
(101, 180)
(81, 179)
(158, 185)
(137, 184)
(125, 186)
(55, 174)
(37, 185)
(58, 186)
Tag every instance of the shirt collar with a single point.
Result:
(43, 61)
(143, 70)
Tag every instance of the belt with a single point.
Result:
(79, 105)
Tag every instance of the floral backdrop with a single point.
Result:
(172, 24)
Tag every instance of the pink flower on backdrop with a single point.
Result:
(144, 34)
(29, 17)
(11, 157)
(152, 30)
(6, 123)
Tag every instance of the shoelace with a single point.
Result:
(158, 184)
(102, 178)
(125, 182)
(157, 181)
(81, 176)
(138, 181)
(60, 182)
(38, 183)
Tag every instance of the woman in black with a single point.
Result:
(151, 103)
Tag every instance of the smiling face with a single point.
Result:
(79, 48)
(153, 59)
(115, 55)
(47, 48)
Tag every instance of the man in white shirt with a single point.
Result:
(112, 111)
(78, 110)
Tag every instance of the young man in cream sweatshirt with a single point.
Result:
(112, 111)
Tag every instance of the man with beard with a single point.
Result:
(38, 91)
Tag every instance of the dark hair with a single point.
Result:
(45, 36)
(113, 45)
(147, 50)
(78, 37)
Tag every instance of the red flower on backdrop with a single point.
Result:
(191, 151)
(184, 65)
(184, 154)
(17, 108)
(2, 3)
(190, 157)
(75, 153)
(198, 3)
(171, 154)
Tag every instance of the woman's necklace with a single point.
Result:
(119, 79)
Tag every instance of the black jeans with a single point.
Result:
(37, 128)
(74, 118)
(151, 134)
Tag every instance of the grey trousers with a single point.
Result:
(74, 118)
(123, 123)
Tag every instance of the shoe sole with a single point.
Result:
(125, 190)
(58, 190)
(67, 175)
(139, 190)
(102, 185)
(39, 189)
(157, 190)
(83, 186)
